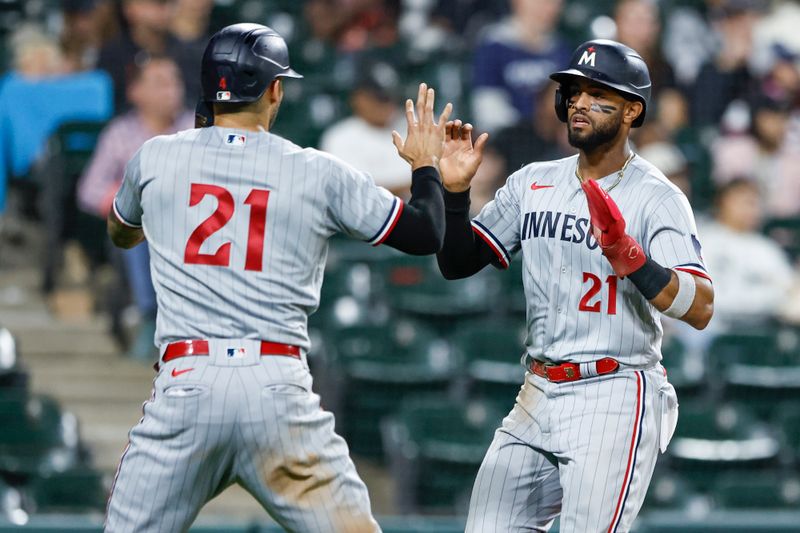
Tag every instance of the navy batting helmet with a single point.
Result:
(239, 63)
(608, 63)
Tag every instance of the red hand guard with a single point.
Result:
(608, 227)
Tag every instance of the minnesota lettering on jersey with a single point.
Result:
(555, 225)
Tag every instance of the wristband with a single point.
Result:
(650, 279)
(685, 298)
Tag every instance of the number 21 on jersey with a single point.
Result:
(595, 285)
(257, 200)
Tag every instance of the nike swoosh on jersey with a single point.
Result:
(176, 372)
(535, 187)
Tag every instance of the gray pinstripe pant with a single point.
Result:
(242, 419)
(585, 450)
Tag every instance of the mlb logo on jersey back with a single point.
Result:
(236, 353)
(236, 140)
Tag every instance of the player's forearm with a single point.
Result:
(702, 306)
(420, 228)
(121, 235)
(462, 254)
(683, 296)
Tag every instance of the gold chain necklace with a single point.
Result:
(619, 174)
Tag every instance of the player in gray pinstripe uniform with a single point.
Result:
(238, 220)
(596, 406)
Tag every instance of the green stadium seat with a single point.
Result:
(668, 491)
(710, 440)
(77, 490)
(414, 286)
(491, 352)
(788, 421)
(35, 436)
(380, 366)
(437, 434)
(513, 295)
(11, 504)
(760, 368)
(307, 109)
(760, 490)
(69, 151)
(686, 370)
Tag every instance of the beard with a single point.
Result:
(600, 135)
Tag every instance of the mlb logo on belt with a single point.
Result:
(236, 353)
(236, 140)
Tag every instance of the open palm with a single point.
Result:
(460, 158)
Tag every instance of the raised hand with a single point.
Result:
(608, 227)
(461, 158)
(607, 223)
(424, 140)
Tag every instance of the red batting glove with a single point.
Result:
(608, 227)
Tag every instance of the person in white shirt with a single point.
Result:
(365, 139)
(752, 274)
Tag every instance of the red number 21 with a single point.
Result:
(594, 288)
(257, 200)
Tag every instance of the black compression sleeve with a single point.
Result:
(420, 228)
(650, 279)
(462, 254)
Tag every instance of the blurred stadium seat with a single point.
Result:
(491, 350)
(414, 286)
(69, 151)
(77, 490)
(711, 440)
(437, 434)
(686, 369)
(669, 490)
(760, 368)
(35, 437)
(380, 366)
(748, 490)
(513, 292)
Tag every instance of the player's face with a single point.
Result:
(594, 115)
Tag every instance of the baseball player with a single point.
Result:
(238, 220)
(607, 243)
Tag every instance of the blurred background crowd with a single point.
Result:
(86, 82)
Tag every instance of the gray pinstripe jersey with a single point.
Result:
(238, 223)
(577, 309)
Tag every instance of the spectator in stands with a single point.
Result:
(80, 38)
(156, 96)
(727, 76)
(764, 156)
(639, 26)
(145, 32)
(35, 54)
(748, 290)
(365, 139)
(190, 29)
(513, 60)
(36, 97)
(538, 137)
(354, 25)
(466, 17)
(668, 158)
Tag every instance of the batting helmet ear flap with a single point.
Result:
(561, 101)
